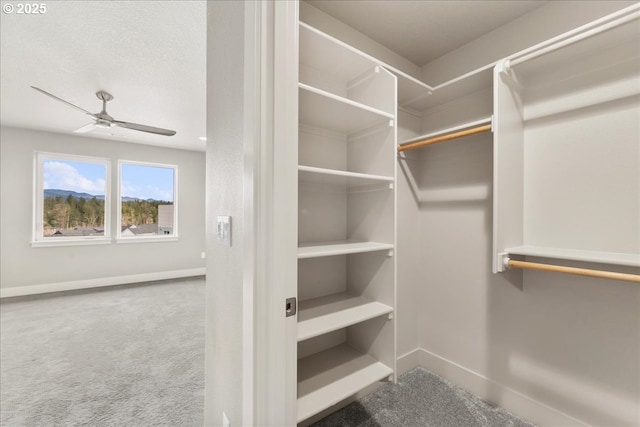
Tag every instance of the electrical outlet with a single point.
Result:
(225, 420)
(203, 255)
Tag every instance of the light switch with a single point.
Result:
(224, 230)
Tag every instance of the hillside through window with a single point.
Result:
(147, 200)
(71, 198)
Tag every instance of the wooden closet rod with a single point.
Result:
(572, 270)
(446, 137)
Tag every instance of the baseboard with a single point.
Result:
(100, 282)
(487, 389)
(409, 360)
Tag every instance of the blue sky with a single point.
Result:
(82, 177)
(147, 182)
(140, 181)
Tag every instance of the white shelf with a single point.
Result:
(338, 177)
(332, 56)
(466, 84)
(410, 90)
(325, 110)
(632, 260)
(316, 250)
(330, 376)
(322, 52)
(321, 315)
(604, 42)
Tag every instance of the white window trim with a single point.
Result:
(146, 239)
(38, 239)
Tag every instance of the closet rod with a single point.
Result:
(579, 37)
(446, 137)
(572, 270)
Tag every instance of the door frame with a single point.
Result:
(271, 88)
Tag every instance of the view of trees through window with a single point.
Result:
(147, 200)
(73, 198)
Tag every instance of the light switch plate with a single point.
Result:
(224, 230)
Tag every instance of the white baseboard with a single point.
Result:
(487, 389)
(408, 361)
(97, 283)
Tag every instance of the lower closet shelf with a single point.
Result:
(318, 316)
(327, 377)
(314, 250)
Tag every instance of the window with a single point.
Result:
(147, 201)
(71, 200)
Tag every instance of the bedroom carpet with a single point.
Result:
(115, 356)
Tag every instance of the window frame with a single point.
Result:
(146, 239)
(37, 236)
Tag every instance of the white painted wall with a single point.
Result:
(224, 374)
(53, 268)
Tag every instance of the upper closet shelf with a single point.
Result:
(632, 260)
(330, 376)
(473, 81)
(332, 56)
(600, 44)
(329, 55)
(316, 250)
(321, 315)
(325, 110)
(338, 177)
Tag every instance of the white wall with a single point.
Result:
(57, 268)
(225, 196)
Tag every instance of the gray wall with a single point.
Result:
(23, 265)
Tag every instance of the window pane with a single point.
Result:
(147, 200)
(73, 198)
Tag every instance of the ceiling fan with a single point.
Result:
(104, 120)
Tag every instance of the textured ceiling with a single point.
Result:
(150, 55)
(422, 31)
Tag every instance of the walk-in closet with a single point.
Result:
(473, 210)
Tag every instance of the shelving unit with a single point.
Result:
(316, 250)
(321, 315)
(627, 259)
(332, 375)
(338, 177)
(346, 222)
(325, 110)
(542, 208)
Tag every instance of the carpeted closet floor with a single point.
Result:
(134, 356)
(421, 399)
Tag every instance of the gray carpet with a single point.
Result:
(134, 356)
(119, 356)
(421, 399)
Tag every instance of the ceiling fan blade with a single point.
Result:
(144, 128)
(86, 128)
(62, 100)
